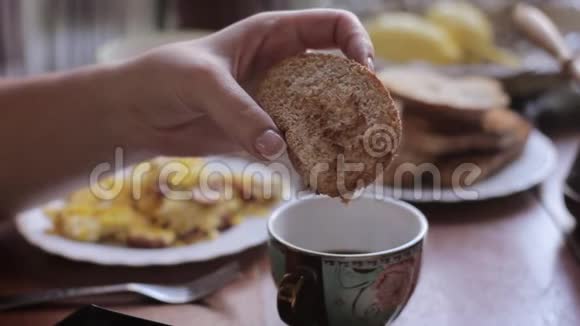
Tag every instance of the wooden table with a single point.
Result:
(499, 262)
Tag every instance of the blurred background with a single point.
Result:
(46, 35)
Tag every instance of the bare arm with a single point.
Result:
(52, 127)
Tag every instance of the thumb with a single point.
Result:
(230, 106)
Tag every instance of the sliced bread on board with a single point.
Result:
(499, 129)
(454, 102)
(416, 167)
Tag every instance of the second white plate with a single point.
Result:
(535, 164)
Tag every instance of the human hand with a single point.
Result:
(192, 98)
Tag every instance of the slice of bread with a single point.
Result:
(440, 96)
(498, 130)
(332, 111)
(420, 172)
(413, 167)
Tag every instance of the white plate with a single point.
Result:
(534, 165)
(32, 224)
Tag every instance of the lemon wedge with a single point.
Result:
(471, 30)
(404, 37)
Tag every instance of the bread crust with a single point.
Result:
(325, 106)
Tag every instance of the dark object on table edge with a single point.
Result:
(96, 316)
(572, 201)
(556, 110)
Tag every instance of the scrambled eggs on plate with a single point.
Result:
(163, 202)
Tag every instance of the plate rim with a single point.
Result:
(169, 256)
(448, 197)
(157, 257)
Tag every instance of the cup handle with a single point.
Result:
(297, 297)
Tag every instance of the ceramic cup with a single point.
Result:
(345, 264)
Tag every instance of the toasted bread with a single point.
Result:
(498, 130)
(457, 170)
(435, 95)
(415, 164)
(328, 108)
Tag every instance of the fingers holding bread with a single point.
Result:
(284, 34)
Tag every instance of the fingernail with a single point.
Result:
(270, 145)
(371, 64)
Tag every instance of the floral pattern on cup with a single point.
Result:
(394, 284)
(367, 293)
